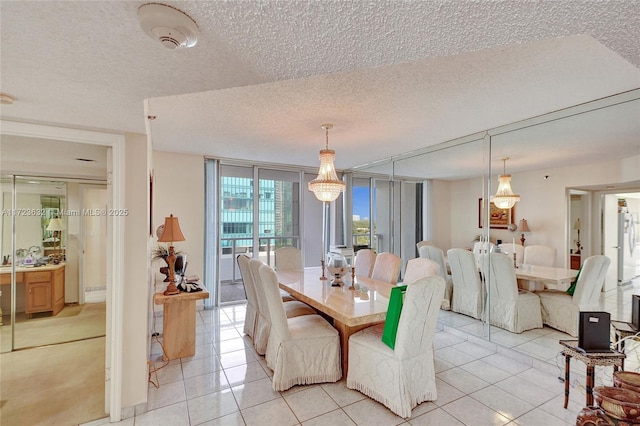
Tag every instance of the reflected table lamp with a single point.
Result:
(523, 226)
(57, 226)
(170, 234)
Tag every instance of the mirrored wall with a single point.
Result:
(589, 146)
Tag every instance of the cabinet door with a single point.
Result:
(58, 290)
(38, 297)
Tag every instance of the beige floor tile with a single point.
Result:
(333, 418)
(211, 406)
(310, 403)
(369, 412)
(471, 412)
(272, 413)
(436, 417)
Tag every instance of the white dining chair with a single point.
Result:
(468, 291)
(418, 268)
(288, 258)
(480, 248)
(537, 255)
(437, 255)
(364, 261)
(251, 313)
(292, 308)
(302, 350)
(386, 268)
(403, 377)
(511, 248)
(509, 308)
(561, 310)
(423, 243)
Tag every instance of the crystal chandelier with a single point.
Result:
(504, 198)
(327, 187)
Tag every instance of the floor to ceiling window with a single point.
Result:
(259, 212)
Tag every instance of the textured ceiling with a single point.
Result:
(366, 66)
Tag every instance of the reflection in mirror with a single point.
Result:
(586, 148)
(37, 202)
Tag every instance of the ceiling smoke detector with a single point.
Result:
(171, 27)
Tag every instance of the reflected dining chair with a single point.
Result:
(292, 309)
(364, 261)
(418, 268)
(541, 256)
(468, 292)
(403, 377)
(437, 255)
(510, 248)
(301, 350)
(509, 308)
(250, 291)
(560, 310)
(386, 268)
(288, 258)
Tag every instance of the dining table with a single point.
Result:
(357, 304)
(553, 278)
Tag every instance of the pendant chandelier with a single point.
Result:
(504, 198)
(327, 187)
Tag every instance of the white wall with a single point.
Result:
(179, 190)
(136, 292)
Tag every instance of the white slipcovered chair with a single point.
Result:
(403, 377)
(365, 259)
(481, 247)
(386, 268)
(250, 290)
(468, 292)
(423, 243)
(292, 309)
(561, 310)
(509, 308)
(510, 248)
(418, 268)
(288, 258)
(437, 255)
(541, 256)
(301, 350)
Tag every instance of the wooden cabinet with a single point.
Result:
(575, 261)
(44, 287)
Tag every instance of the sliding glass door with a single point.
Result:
(259, 212)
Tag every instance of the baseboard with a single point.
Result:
(97, 296)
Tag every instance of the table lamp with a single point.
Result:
(170, 234)
(524, 227)
(56, 225)
(577, 227)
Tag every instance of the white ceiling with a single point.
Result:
(391, 76)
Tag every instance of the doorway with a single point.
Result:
(621, 217)
(93, 239)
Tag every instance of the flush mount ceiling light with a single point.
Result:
(171, 27)
(504, 198)
(6, 99)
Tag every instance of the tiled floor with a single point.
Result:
(514, 379)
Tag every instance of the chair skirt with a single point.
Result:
(250, 320)
(400, 385)
(559, 311)
(517, 315)
(467, 302)
(263, 326)
(310, 354)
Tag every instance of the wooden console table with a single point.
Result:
(179, 323)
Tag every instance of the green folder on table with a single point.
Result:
(393, 315)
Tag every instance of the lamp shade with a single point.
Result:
(524, 226)
(171, 231)
(55, 224)
(576, 225)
